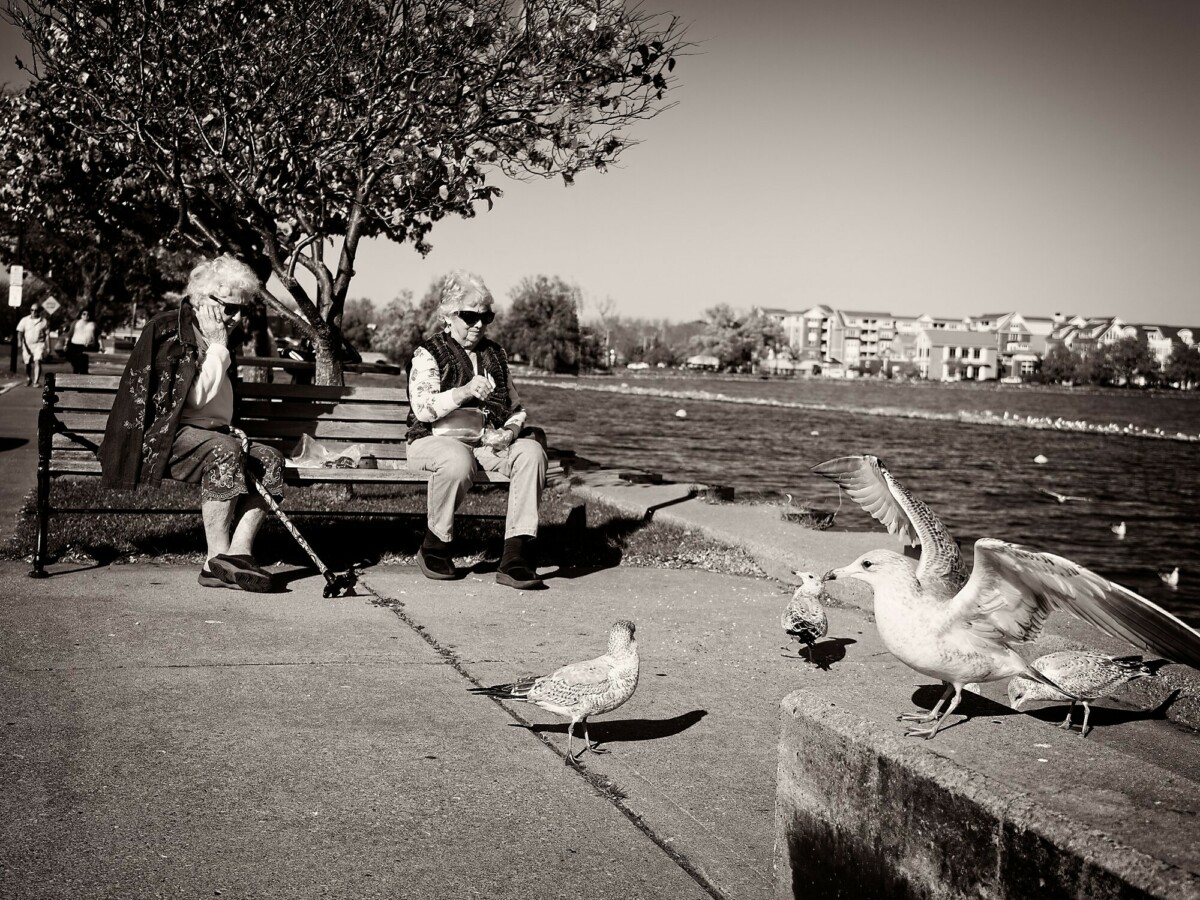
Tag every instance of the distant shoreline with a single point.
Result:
(984, 417)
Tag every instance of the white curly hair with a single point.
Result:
(455, 288)
(225, 278)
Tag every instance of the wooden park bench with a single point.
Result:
(75, 411)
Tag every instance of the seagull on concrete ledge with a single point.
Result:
(582, 689)
(936, 621)
(1087, 675)
(804, 617)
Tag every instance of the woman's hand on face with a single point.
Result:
(212, 324)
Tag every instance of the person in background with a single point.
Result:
(172, 418)
(465, 415)
(81, 340)
(33, 331)
(256, 340)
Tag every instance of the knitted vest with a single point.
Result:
(455, 368)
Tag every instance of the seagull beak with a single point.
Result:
(831, 575)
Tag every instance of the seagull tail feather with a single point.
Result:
(512, 690)
(1034, 674)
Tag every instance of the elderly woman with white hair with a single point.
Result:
(465, 416)
(172, 419)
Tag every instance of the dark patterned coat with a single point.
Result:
(145, 415)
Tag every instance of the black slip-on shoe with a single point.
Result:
(241, 571)
(439, 568)
(519, 576)
(209, 580)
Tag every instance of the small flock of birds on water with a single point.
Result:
(939, 620)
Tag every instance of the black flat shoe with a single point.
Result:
(241, 571)
(209, 580)
(439, 568)
(520, 577)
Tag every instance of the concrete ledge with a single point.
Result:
(864, 812)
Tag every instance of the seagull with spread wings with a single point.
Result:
(582, 689)
(959, 630)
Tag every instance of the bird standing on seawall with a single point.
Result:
(582, 689)
(804, 617)
(1087, 675)
(942, 624)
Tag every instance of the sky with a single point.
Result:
(903, 156)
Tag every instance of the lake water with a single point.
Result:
(981, 479)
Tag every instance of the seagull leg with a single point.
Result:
(1087, 711)
(570, 760)
(927, 733)
(1066, 723)
(933, 713)
(588, 745)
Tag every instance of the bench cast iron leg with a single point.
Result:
(45, 440)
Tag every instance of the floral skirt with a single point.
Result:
(216, 461)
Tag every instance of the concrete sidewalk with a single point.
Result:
(162, 739)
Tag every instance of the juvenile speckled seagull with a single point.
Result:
(804, 617)
(582, 689)
(942, 624)
(1087, 675)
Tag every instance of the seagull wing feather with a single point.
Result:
(1013, 589)
(872, 487)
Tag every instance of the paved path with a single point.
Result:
(162, 739)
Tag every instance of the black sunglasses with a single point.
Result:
(470, 317)
(231, 309)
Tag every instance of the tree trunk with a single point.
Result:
(329, 365)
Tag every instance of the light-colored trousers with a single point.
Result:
(452, 465)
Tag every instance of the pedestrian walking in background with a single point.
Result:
(80, 342)
(32, 332)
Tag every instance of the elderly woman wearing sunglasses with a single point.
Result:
(465, 415)
(172, 416)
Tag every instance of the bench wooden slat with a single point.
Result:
(324, 411)
(84, 400)
(346, 431)
(350, 393)
(106, 383)
(80, 465)
(93, 423)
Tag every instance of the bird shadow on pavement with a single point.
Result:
(972, 704)
(824, 653)
(627, 730)
(1104, 716)
(11, 443)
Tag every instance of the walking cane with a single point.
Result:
(334, 584)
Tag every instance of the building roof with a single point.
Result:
(940, 338)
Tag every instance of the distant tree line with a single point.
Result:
(1127, 362)
(541, 328)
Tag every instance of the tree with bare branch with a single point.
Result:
(291, 130)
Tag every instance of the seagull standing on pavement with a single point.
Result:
(804, 617)
(579, 690)
(942, 624)
(1087, 675)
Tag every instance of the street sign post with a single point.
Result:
(16, 277)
